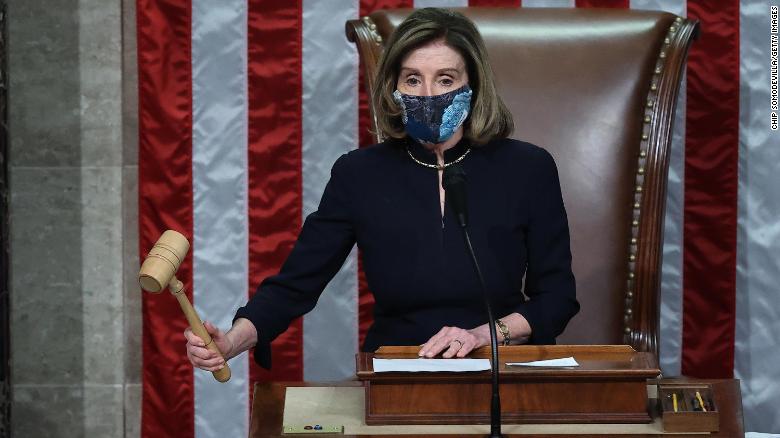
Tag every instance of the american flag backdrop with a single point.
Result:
(245, 105)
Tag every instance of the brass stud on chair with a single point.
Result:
(629, 294)
(639, 189)
(627, 331)
(632, 257)
(633, 241)
(629, 312)
(372, 30)
(667, 41)
(662, 55)
(635, 223)
(644, 136)
(658, 70)
(642, 154)
(654, 87)
(647, 119)
(630, 275)
(649, 103)
(636, 206)
(641, 171)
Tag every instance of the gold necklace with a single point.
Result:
(437, 166)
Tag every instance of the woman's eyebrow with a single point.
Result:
(452, 71)
(449, 71)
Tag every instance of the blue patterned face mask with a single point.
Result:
(433, 119)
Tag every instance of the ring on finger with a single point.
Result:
(459, 342)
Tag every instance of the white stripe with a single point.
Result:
(548, 3)
(330, 117)
(676, 7)
(671, 270)
(219, 179)
(670, 331)
(758, 230)
(441, 3)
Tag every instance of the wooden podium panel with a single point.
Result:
(609, 386)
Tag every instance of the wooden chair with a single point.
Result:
(597, 88)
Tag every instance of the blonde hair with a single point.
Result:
(489, 118)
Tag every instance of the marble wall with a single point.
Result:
(130, 257)
(75, 309)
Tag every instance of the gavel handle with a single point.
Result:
(177, 289)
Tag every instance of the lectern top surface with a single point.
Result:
(617, 361)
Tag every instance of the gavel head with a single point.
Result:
(163, 260)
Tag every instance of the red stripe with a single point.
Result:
(495, 3)
(619, 4)
(365, 138)
(165, 201)
(710, 213)
(275, 180)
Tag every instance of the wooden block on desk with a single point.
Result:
(689, 416)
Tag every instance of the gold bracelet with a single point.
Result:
(502, 327)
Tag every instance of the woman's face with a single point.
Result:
(432, 69)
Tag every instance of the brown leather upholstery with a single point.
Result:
(597, 88)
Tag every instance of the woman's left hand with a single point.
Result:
(453, 341)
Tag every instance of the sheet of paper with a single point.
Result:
(430, 365)
(562, 362)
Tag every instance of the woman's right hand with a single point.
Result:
(203, 358)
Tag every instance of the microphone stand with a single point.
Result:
(495, 400)
(454, 184)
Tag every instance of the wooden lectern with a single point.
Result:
(608, 386)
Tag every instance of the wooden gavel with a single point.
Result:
(159, 270)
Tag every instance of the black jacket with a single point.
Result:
(415, 261)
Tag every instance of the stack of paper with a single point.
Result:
(562, 362)
(430, 365)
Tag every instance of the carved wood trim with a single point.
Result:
(642, 295)
(363, 33)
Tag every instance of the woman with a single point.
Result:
(436, 101)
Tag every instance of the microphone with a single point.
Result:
(454, 183)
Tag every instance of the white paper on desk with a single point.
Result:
(562, 362)
(430, 365)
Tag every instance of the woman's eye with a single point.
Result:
(446, 82)
(412, 81)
